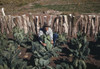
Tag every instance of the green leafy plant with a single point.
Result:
(10, 58)
(62, 39)
(80, 51)
(3, 42)
(9, 52)
(42, 55)
(22, 39)
(97, 38)
(64, 65)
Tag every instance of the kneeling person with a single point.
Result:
(46, 31)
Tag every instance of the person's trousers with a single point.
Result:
(55, 36)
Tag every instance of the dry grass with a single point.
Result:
(15, 2)
(65, 6)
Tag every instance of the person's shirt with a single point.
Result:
(48, 32)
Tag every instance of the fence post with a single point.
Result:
(3, 13)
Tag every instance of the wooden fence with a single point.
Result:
(69, 24)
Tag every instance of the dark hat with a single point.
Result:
(46, 25)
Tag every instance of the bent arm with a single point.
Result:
(40, 39)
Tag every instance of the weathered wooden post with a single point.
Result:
(37, 24)
(41, 22)
(3, 13)
(76, 27)
(53, 22)
(28, 23)
(86, 23)
(66, 24)
(89, 25)
(25, 24)
(13, 24)
(3, 24)
(57, 25)
(61, 24)
(32, 25)
(70, 24)
(83, 23)
(20, 22)
(96, 24)
(93, 25)
(9, 24)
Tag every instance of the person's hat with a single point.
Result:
(46, 25)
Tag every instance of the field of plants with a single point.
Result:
(68, 53)
(20, 48)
